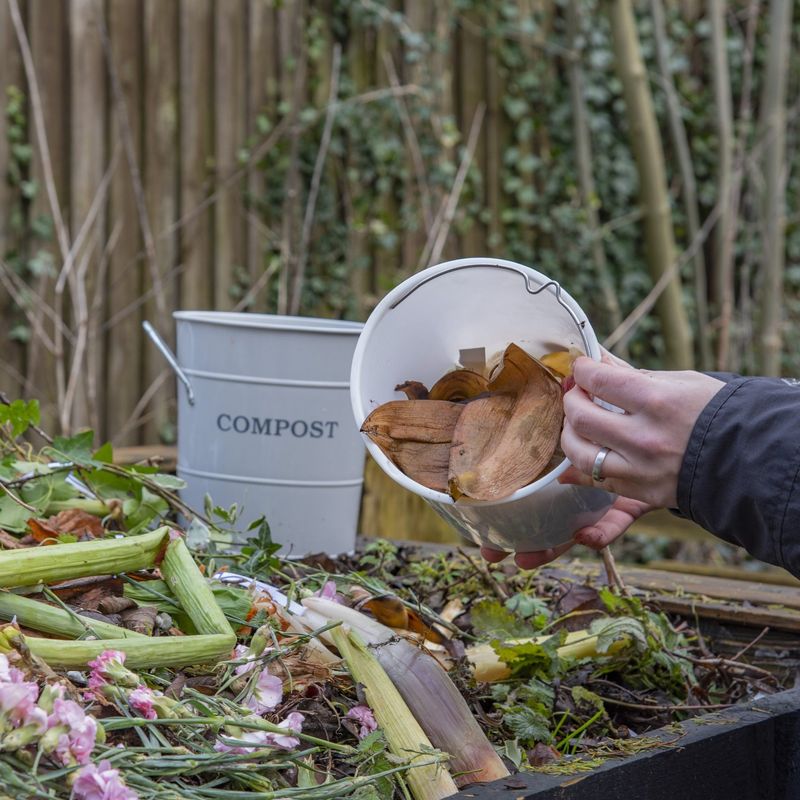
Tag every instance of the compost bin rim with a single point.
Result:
(233, 319)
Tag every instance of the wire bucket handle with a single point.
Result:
(171, 359)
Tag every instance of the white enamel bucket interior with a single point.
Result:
(417, 332)
(271, 427)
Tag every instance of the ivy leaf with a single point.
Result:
(490, 617)
(104, 454)
(20, 415)
(613, 630)
(77, 449)
(13, 517)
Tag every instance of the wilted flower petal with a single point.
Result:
(365, 718)
(266, 694)
(141, 700)
(101, 782)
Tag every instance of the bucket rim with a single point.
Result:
(392, 299)
(240, 319)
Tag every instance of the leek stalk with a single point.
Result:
(192, 590)
(403, 733)
(32, 565)
(49, 619)
(433, 698)
(140, 653)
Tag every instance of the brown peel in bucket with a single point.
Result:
(461, 384)
(503, 442)
(414, 390)
(415, 435)
(561, 361)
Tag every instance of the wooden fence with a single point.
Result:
(148, 108)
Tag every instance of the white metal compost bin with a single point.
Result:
(417, 332)
(265, 422)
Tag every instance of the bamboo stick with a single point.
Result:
(192, 590)
(59, 562)
(49, 619)
(403, 733)
(141, 653)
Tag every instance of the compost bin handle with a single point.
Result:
(171, 360)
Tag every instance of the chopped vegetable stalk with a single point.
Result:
(433, 698)
(143, 652)
(49, 619)
(192, 590)
(406, 739)
(487, 665)
(32, 565)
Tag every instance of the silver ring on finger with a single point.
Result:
(597, 467)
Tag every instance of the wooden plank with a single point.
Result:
(126, 266)
(705, 586)
(230, 97)
(160, 169)
(87, 163)
(662, 523)
(755, 616)
(196, 152)
(262, 83)
(12, 353)
(165, 455)
(46, 25)
(772, 575)
(388, 511)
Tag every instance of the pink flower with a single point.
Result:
(105, 668)
(141, 700)
(266, 694)
(365, 718)
(258, 738)
(71, 733)
(293, 723)
(17, 700)
(240, 652)
(101, 782)
(328, 592)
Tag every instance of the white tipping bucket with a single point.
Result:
(417, 332)
(265, 423)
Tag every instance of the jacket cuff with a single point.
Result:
(739, 476)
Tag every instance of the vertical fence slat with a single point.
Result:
(230, 98)
(472, 92)
(87, 162)
(160, 168)
(127, 264)
(262, 88)
(13, 364)
(46, 31)
(196, 150)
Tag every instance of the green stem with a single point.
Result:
(582, 728)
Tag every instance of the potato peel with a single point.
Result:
(458, 385)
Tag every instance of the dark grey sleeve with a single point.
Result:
(739, 478)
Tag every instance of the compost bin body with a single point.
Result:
(270, 428)
(417, 332)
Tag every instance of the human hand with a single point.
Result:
(646, 443)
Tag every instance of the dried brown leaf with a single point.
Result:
(503, 442)
(78, 522)
(141, 619)
(413, 390)
(416, 435)
(115, 604)
(459, 385)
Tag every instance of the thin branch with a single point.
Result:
(438, 236)
(413, 143)
(136, 417)
(316, 180)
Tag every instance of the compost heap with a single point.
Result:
(476, 435)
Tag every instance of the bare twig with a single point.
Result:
(136, 417)
(412, 142)
(441, 226)
(316, 180)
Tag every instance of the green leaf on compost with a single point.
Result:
(531, 659)
(77, 449)
(104, 454)
(609, 631)
(580, 694)
(527, 725)
(20, 415)
(491, 618)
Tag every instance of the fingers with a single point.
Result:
(616, 521)
(595, 423)
(624, 387)
(608, 357)
(537, 558)
(493, 556)
(582, 453)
